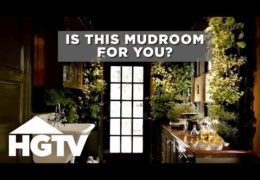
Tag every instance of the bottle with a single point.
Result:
(204, 132)
(194, 131)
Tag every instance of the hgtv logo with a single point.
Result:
(44, 137)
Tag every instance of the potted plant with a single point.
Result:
(178, 109)
(224, 122)
(61, 101)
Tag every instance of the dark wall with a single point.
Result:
(15, 79)
(247, 119)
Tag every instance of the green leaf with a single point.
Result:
(241, 44)
(241, 35)
(208, 29)
(230, 21)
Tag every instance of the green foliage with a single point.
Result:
(178, 108)
(227, 120)
(94, 85)
(225, 130)
(222, 31)
(160, 105)
(225, 78)
(218, 112)
(241, 44)
(72, 117)
(199, 117)
(171, 85)
(87, 106)
(224, 81)
(225, 36)
(54, 96)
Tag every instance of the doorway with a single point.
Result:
(126, 126)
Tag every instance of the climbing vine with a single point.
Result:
(90, 103)
(226, 40)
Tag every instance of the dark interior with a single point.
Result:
(29, 68)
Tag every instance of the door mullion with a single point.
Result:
(120, 135)
(132, 124)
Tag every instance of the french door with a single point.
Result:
(127, 111)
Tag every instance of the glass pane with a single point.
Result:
(115, 73)
(114, 108)
(126, 144)
(126, 109)
(127, 74)
(138, 126)
(138, 74)
(209, 65)
(115, 91)
(114, 144)
(138, 109)
(138, 92)
(126, 91)
(137, 144)
(114, 126)
(126, 126)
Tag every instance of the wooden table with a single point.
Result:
(177, 146)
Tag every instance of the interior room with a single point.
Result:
(134, 112)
